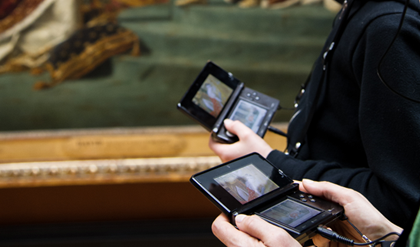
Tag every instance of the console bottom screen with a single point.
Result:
(290, 213)
(249, 114)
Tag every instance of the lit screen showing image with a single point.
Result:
(290, 213)
(246, 184)
(249, 114)
(212, 95)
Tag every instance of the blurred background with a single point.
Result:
(93, 151)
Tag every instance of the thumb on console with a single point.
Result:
(236, 127)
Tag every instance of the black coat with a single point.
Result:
(362, 135)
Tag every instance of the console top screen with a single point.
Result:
(246, 184)
(212, 95)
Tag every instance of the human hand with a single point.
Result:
(357, 208)
(253, 231)
(248, 142)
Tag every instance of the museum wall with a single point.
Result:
(93, 150)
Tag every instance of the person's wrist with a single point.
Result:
(385, 229)
(266, 152)
(394, 228)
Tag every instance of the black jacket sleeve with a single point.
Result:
(388, 125)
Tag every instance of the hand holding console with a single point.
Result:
(251, 185)
(216, 95)
(358, 210)
(249, 142)
(253, 231)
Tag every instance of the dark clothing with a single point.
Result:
(362, 135)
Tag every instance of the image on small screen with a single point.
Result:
(212, 95)
(249, 114)
(290, 213)
(246, 184)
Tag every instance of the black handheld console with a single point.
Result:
(252, 185)
(216, 95)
